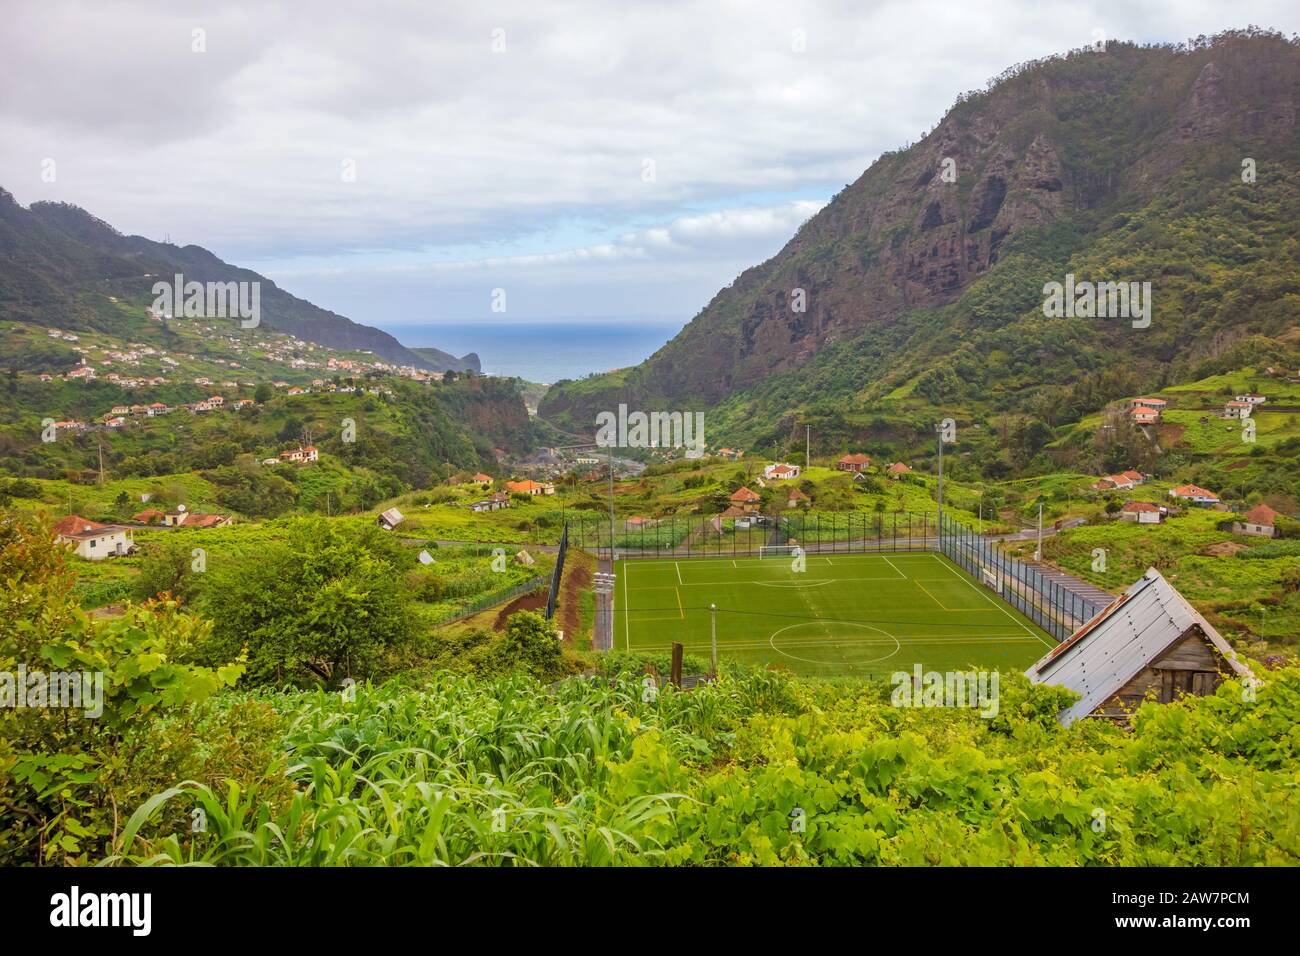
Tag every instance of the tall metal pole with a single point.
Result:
(1038, 552)
(611, 505)
(807, 447)
(713, 629)
(939, 523)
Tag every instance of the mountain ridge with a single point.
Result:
(58, 262)
(1049, 161)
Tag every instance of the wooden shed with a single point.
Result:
(1148, 643)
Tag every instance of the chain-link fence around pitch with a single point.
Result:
(1048, 603)
(751, 535)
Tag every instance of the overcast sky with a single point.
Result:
(592, 160)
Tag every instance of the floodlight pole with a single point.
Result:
(939, 522)
(713, 630)
(611, 506)
(1038, 552)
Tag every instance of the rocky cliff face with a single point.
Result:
(1051, 142)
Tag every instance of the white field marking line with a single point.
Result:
(990, 600)
(681, 612)
(895, 567)
(908, 640)
(841, 559)
(737, 581)
(679, 572)
(790, 584)
(931, 596)
(898, 646)
(846, 642)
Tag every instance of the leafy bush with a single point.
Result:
(321, 605)
(62, 769)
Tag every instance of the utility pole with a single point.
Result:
(807, 446)
(611, 506)
(101, 462)
(713, 630)
(1038, 552)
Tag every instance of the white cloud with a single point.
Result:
(526, 162)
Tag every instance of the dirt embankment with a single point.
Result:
(577, 577)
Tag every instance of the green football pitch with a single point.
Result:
(844, 615)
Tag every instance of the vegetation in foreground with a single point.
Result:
(190, 764)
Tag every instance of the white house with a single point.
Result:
(92, 540)
(1260, 520)
(1252, 398)
(1142, 512)
(781, 471)
(1238, 409)
(1195, 494)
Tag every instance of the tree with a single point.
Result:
(166, 568)
(532, 645)
(61, 776)
(323, 604)
(265, 392)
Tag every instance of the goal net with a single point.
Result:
(991, 580)
(777, 550)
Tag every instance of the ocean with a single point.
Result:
(544, 351)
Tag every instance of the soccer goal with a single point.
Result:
(991, 580)
(778, 550)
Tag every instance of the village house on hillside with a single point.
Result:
(1195, 494)
(744, 499)
(898, 470)
(781, 471)
(795, 497)
(495, 503)
(1143, 512)
(530, 487)
(856, 462)
(1260, 520)
(195, 519)
(1153, 404)
(1237, 409)
(1122, 481)
(92, 540)
(302, 455)
(390, 519)
(1148, 643)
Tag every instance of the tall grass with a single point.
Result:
(460, 772)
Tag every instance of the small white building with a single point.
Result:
(1260, 520)
(1142, 512)
(781, 471)
(92, 540)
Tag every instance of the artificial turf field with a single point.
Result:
(845, 615)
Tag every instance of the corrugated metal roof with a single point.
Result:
(1113, 648)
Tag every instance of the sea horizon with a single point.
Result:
(544, 351)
